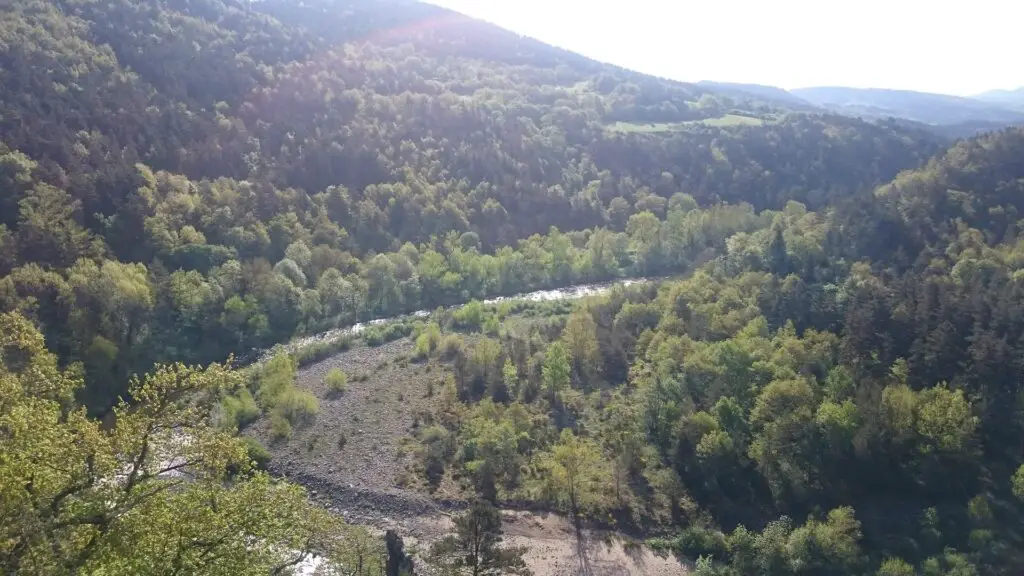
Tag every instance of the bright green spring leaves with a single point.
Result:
(147, 492)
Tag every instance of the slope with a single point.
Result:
(1012, 99)
(931, 109)
(838, 390)
(760, 91)
(197, 178)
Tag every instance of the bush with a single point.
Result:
(694, 542)
(491, 326)
(437, 449)
(275, 379)
(378, 335)
(451, 346)
(297, 407)
(258, 454)
(336, 381)
(280, 428)
(427, 341)
(321, 350)
(470, 316)
(239, 411)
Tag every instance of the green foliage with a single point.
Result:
(1017, 483)
(239, 410)
(450, 346)
(438, 448)
(384, 333)
(428, 341)
(251, 224)
(696, 541)
(556, 371)
(275, 378)
(476, 549)
(297, 407)
(830, 547)
(336, 381)
(158, 207)
(313, 353)
(280, 427)
(575, 473)
(469, 317)
(257, 453)
(896, 567)
(494, 442)
(287, 406)
(79, 495)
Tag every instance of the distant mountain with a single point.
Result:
(770, 94)
(1006, 98)
(937, 110)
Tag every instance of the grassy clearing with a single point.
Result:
(732, 120)
(651, 128)
(665, 127)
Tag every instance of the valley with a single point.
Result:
(351, 286)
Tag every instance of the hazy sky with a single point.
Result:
(951, 46)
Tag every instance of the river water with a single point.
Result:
(566, 293)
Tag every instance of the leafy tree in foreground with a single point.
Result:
(150, 494)
(475, 548)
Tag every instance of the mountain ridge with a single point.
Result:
(1012, 98)
(924, 107)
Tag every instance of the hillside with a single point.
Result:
(1012, 99)
(765, 93)
(931, 109)
(238, 175)
(844, 377)
(825, 379)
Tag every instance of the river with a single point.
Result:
(567, 293)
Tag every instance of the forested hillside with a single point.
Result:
(832, 387)
(839, 393)
(189, 179)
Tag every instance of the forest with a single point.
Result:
(830, 383)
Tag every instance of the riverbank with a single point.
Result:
(327, 337)
(366, 478)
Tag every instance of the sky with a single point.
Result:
(946, 46)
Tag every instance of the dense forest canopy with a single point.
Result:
(834, 388)
(838, 393)
(189, 179)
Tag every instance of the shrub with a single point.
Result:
(321, 350)
(276, 378)
(239, 411)
(427, 341)
(469, 316)
(297, 406)
(693, 542)
(437, 448)
(451, 346)
(280, 428)
(491, 326)
(258, 454)
(378, 335)
(336, 381)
